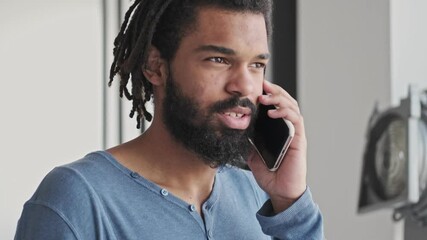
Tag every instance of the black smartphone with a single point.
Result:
(271, 137)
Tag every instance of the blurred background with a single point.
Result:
(337, 57)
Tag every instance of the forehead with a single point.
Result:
(230, 29)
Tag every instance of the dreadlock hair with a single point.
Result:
(162, 23)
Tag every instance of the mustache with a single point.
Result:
(231, 103)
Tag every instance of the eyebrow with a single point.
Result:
(226, 51)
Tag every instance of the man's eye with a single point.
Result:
(259, 65)
(217, 59)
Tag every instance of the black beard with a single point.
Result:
(191, 126)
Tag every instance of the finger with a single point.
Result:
(273, 89)
(279, 98)
(286, 112)
(280, 102)
(290, 114)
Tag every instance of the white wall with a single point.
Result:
(343, 69)
(408, 46)
(50, 94)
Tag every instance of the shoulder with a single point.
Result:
(62, 202)
(70, 183)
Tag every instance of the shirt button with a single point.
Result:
(192, 208)
(134, 174)
(210, 235)
(164, 192)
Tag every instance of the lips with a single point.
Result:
(234, 114)
(236, 118)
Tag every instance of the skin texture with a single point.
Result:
(224, 56)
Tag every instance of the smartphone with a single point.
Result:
(271, 137)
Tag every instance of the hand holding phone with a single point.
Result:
(271, 138)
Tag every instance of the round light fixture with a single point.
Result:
(394, 171)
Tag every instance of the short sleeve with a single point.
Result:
(40, 222)
(64, 206)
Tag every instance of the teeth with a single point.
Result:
(235, 115)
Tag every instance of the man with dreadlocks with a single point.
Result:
(203, 63)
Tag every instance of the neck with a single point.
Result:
(158, 157)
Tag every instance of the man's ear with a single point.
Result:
(155, 69)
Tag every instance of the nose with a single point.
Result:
(241, 82)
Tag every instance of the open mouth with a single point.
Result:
(234, 114)
(236, 118)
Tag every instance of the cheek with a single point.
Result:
(259, 88)
(206, 92)
(214, 82)
(209, 84)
